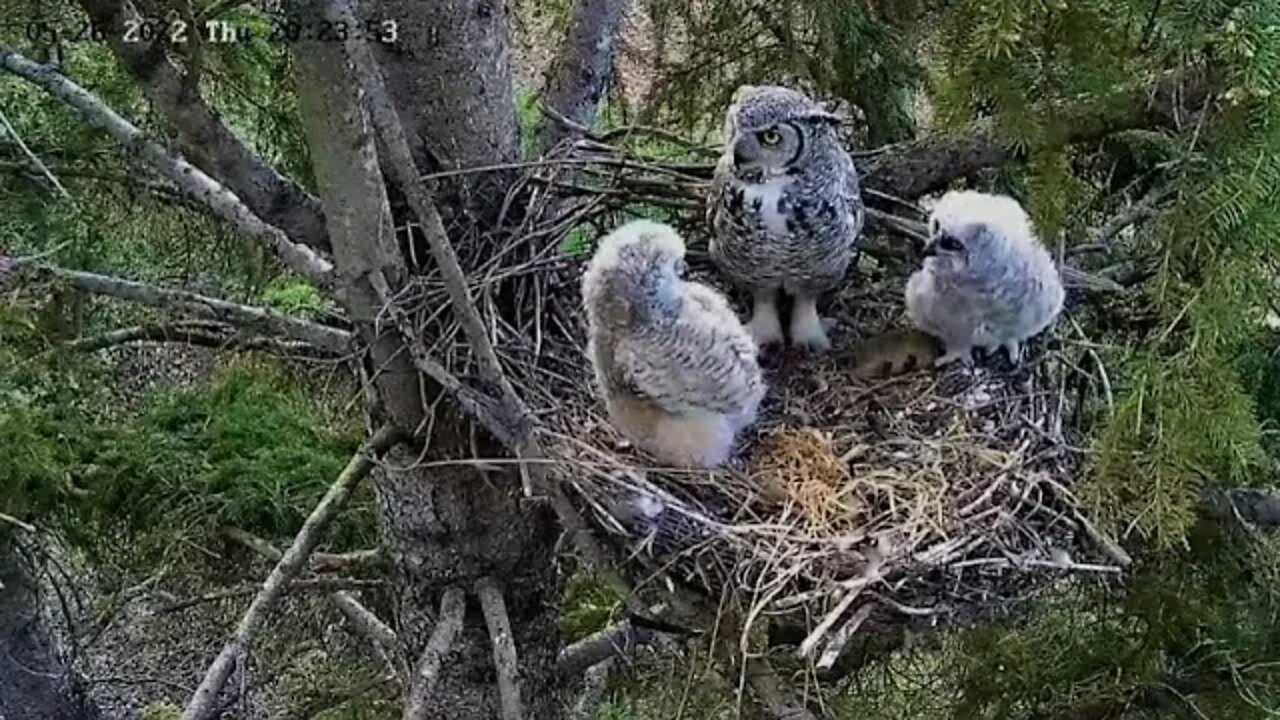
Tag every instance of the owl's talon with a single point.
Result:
(765, 325)
(808, 331)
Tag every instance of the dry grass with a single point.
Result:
(927, 497)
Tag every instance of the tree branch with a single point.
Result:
(203, 703)
(189, 334)
(427, 672)
(1256, 507)
(327, 584)
(618, 640)
(929, 164)
(579, 77)
(774, 694)
(171, 166)
(320, 561)
(504, 647)
(203, 137)
(330, 340)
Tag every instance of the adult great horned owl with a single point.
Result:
(987, 281)
(785, 209)
(677, 370)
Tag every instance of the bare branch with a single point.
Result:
(427, 672)
(580, 75)
(504, 647)
(203, 703)
(594, 684)
(320, 561)
(201, 134)
(618, 640)
(202, 334)
(330, 340)
(172, 166)
(367, 625)
(363, 621)
(329, 584)
(35, 160)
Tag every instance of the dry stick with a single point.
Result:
(330, 340)
(172, 166)
(328, 584)
(427, 672)
(773, 692)
(203, 703)
(504, 647)
(35, 159)
(618, 640)
(187, 333)
(365, 622)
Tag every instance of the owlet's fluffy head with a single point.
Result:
(772, 128)
(634, 272)
(973, 232)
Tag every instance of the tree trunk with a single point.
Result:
(35, 684)
(446, 526)
(450, 78)
(580, 76)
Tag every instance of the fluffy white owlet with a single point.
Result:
(676, 367)
(785, 209)
(987, 281)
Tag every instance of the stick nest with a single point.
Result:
(932, 496)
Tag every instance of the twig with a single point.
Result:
(6, 518)
(427, 672)
(330, 340)
(369, 626)
(35, 159)
(183, 333)
(840, 638)
(594, 684)
(504, 647)
(203, 702)
(171, 166)
(326, 584)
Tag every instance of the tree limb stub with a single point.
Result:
(929, 164)
(189, 178)
(203, 703)
(330, 340)
(205, 139)
(505, 659)
(427, 672)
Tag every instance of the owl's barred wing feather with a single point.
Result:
(708, 371)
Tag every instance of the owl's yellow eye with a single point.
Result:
(770, 137)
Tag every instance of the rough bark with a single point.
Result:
(930, 163)
(579, 79)
(450, 525)
(202, 135)
(35, 684)
(450, 77)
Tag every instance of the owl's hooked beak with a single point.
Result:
(930, 249)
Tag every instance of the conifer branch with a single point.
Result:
(173, 167)
(505, 659)
(329, 340)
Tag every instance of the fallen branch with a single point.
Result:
(618, 640)
(427, 672)
(330, 340)
(363, 621)
(1252, 506)
(324, 584)
(188, 334)
(172, 167)
(505, 659)
(203, 702)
